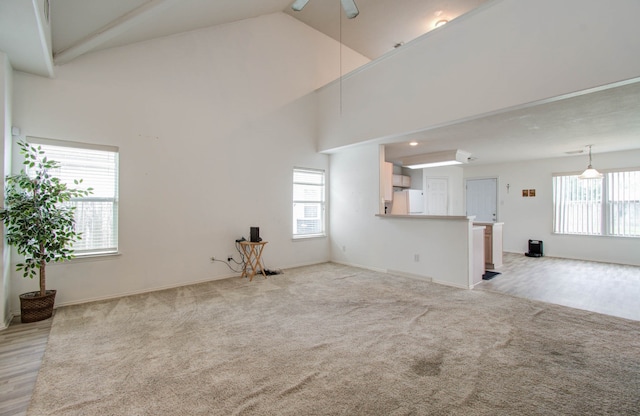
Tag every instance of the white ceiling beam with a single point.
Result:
(47, 56)
(112, 30)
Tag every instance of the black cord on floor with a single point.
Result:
(228, 265)
(243, 262)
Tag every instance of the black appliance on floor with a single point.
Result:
(535, 249)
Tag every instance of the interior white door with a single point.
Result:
(437, 196)
(482, 199)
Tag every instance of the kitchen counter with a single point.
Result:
(428, 217)
(492, 244)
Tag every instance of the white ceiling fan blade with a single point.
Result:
(299, 4)
(350, 8)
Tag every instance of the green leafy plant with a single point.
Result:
(39, 223)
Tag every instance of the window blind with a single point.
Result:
(308, 202)
(623, 203)
(607, 206)
(96, 215)
(578, 205)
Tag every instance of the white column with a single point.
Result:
(6, 73)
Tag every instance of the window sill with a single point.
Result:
(87, 258)
(94, 257)
(595, 235)
(308, 237)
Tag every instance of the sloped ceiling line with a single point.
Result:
(112, 29)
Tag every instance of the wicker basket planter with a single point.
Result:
(39, 223)
(34, 308)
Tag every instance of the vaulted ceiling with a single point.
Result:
(81, 26)
(607, 117)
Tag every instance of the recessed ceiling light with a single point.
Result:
(413, 143)
(441, 23)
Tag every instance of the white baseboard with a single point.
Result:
(359, 266)
(296, 265)
(411, 275)
(142, 292)
(156, 289)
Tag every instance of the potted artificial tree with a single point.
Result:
(39, 225)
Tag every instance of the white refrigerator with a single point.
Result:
(408, 202)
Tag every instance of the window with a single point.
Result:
(308, 203)
(96, 214)
(608, 206)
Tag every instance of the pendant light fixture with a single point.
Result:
(590, 172)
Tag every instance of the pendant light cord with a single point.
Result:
(340, 56)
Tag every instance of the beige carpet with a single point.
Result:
(336, 340)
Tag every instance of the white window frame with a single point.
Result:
(107, 249)
(302, 203)
(593, 202)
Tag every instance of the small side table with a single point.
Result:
(253, 258)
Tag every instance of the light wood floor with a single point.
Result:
(21, 349)
(610, 289)
(599, 287)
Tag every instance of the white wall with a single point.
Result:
(531, 218)
(209, 125)
(5, 164)
(501, 55)
(360, 238)
(416, 177)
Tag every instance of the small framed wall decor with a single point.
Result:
(532, 192)
(525, 193)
